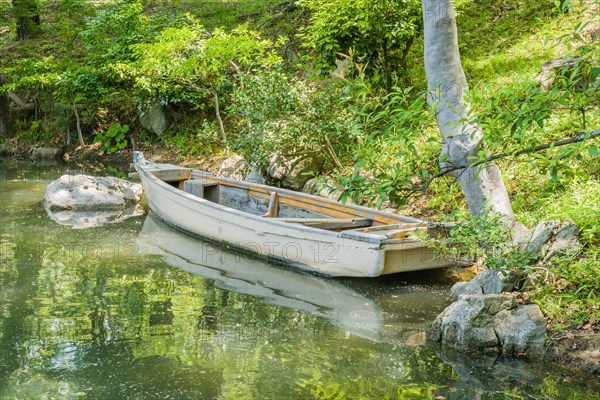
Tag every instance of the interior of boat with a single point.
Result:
(290, 207)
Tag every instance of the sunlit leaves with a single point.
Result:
(187, 64)
(372, 30)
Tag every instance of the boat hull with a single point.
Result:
(317, 250)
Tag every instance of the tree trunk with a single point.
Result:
(27, 16)
(482, 188)
(221, 127)
(6, 119)
(5, 128)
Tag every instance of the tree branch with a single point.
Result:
(221, 127)
(332, 156)
(79, 134)
(575, 139)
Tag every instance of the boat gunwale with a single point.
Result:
(377, 240)
(299, 196)
(349, 234)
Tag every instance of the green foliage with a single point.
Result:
(113, 139)
(116, 25)
(484, 239)
(189, 64)
(373, 31)
(198, 138)
(396, 154)
(579, 201)
(569, 294)
(30, 73)
(36, 132)
(274, 111)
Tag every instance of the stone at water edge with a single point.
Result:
(460, 288)
(45, 153)
(521, 330)
(90, 193)
(467, 324)
(489, 281)
(491, 323)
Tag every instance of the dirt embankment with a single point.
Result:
(578, 349)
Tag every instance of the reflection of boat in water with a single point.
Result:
(232, 271)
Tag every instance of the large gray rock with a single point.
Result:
(255, 176)
(562, 67)
(153, 117)
(551, 238)
(521, 331)
(45, 153)
(491, 323)
(489, 282)
(565, 241)
(316, 187)
(534, 240)
(467, 324)
(234, 167)
(460, 288)
(313, 186)
(91, 193)
(294, 170)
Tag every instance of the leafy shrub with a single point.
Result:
(570, 294)
(116, 25)
(397, 153)
(374, 31)
(113, 139)
(274, 111)
(189, 64)
(485, 239)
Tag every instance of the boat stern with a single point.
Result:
(412, 255)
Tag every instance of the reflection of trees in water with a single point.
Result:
(15, 292)
(208, 318)
(141, 329)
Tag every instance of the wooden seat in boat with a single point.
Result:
(330, 223)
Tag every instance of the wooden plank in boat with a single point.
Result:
(384, 229)
(329, 223)
(172, 174)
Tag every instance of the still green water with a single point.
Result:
(136, 310)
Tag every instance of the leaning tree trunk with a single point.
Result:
(27, 17)
(5, 128)
(461, 139)
(6, 120)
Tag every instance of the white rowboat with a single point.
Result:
(305, 231)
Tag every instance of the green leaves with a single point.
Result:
(274, 111)
(113, 139)
(369, 31)
(187, 64)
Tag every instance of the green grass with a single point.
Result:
(570, 296)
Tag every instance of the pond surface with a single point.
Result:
(138, 310)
